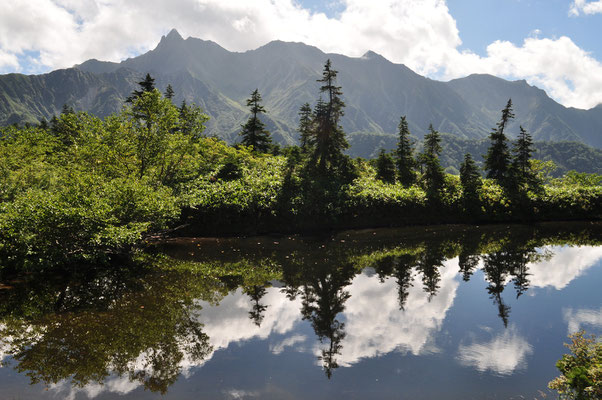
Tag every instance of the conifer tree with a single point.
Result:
(191, 119)
(329, 138)
(253, 131)
(147, 85)
(521, 167)
(432, 142)
(385, 167)
(305, 126)
(497, 160)
(471, 182)
(169, 93)
(405, 161)
(43, 124)
(433, 176)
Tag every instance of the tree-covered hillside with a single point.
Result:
(566, 155)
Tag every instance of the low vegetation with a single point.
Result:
(581, 371)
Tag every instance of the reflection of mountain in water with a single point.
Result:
(363, 296)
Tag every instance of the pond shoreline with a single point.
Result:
(193, 230)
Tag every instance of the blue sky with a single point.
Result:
(482, 22)
(553, 44)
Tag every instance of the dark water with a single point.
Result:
(424, 313)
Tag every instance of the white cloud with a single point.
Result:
(503, 354)
(119, 385)
(576, 319)
(293, 341)
(236, 394)
(371, 334)
(419, 33)
(568, 73)
(587, 7)
(567, 264)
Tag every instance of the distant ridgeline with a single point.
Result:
(79, 189)
(377, 92)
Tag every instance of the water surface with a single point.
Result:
(422, 313)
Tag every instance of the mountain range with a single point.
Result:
(376, 91)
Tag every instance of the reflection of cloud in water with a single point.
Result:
(236, 394)
(119, 385)
(230, 321)
(566, 264)
(576, 319)
(375, 325)
(293, 341)
(504, 354)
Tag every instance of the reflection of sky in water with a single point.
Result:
(503, 354)
(567, 264)
(582, 319)
(376, 327)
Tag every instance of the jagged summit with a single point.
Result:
(371, 55)
(173, 37)
(173, 34)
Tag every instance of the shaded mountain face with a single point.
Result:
(376, 92)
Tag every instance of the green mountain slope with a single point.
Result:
(376, 91)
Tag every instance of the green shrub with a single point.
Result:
(581, 371)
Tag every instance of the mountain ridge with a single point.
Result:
(376, 91)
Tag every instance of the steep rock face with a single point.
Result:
(376, 91)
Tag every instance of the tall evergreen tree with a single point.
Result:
(147, 85)
(329, 138)
(471, 182)
(405, 160)
(385, 167)
(497, 160)
(432, 142)
(305, 126)
(253, 131)
(433, 176)
(521, 167)
(169, 93)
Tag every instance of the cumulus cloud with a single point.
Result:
(586, 7)
(119, 385)
(419, 33)
(372, 334)
(503, 354)
(567, 264)
(293, 341)
(576, 319)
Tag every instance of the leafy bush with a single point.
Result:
(581, 371)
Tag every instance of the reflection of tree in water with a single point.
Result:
(429, 264)
(469, 257)
(256, 293)
(509, 262)
(400, 267)
(520, 271)
(144, 333)
(323, 298)
(496, 271)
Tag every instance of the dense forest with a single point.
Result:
(79, 189)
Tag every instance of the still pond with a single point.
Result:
(451, 312)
